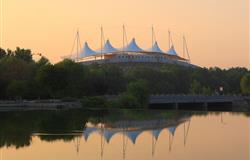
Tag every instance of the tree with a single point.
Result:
(24, 54)
(196, 87)
(245, 84)
(139, 90)
(43, 61)
(2, 53)
(16, 89)
(51, 80)
(74, 78)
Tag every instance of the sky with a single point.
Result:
(217, 32)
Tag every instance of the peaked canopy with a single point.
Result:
(172, 51)
(87, 51)
(108, 48)
(133, 47)
(156, 48)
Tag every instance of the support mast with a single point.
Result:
(152, 36)
(101, 41)
(123, 38)
(169, 39)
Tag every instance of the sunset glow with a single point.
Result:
(217, 32)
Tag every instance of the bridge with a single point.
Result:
(200, 102)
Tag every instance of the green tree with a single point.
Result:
(74, 78)
(43, 61)
(16, 89)
(196, 87)
(2, 53)
(245, 84)
(139, 90)
(24, 54)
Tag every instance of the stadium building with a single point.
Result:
(131, 53)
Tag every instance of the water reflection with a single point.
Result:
(120, 134)
(131, 130)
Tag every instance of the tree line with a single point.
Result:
(23, 78)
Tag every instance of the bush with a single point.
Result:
(136, 95)
(245, 84)
(94, 102)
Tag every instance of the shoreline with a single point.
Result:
(33, 105)
(239, 104)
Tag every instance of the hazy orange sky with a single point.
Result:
(217, 31)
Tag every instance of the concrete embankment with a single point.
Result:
(6, 106)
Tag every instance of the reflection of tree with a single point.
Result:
(16, 139)
(17, 128)
(15, 131)
(51, 138)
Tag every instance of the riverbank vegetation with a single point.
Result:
(23, 78)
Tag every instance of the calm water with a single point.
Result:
(124, 134)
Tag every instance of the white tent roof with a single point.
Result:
(156, 48)
(108, 48)
(133, 47)
(172, 51)
(87, 51)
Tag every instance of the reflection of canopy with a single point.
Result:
(88, 132)
(172, 130)
(132, 135)
(133, 47)
(131, 131)
(87, 51)
(156, 48)
(172, 51)
(108, 135)
(156, 133)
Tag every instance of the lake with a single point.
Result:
(124, 135)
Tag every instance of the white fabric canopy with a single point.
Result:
(108, 48)
(172, 51)
(132, 47)
(156, 48)
(87, 51)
